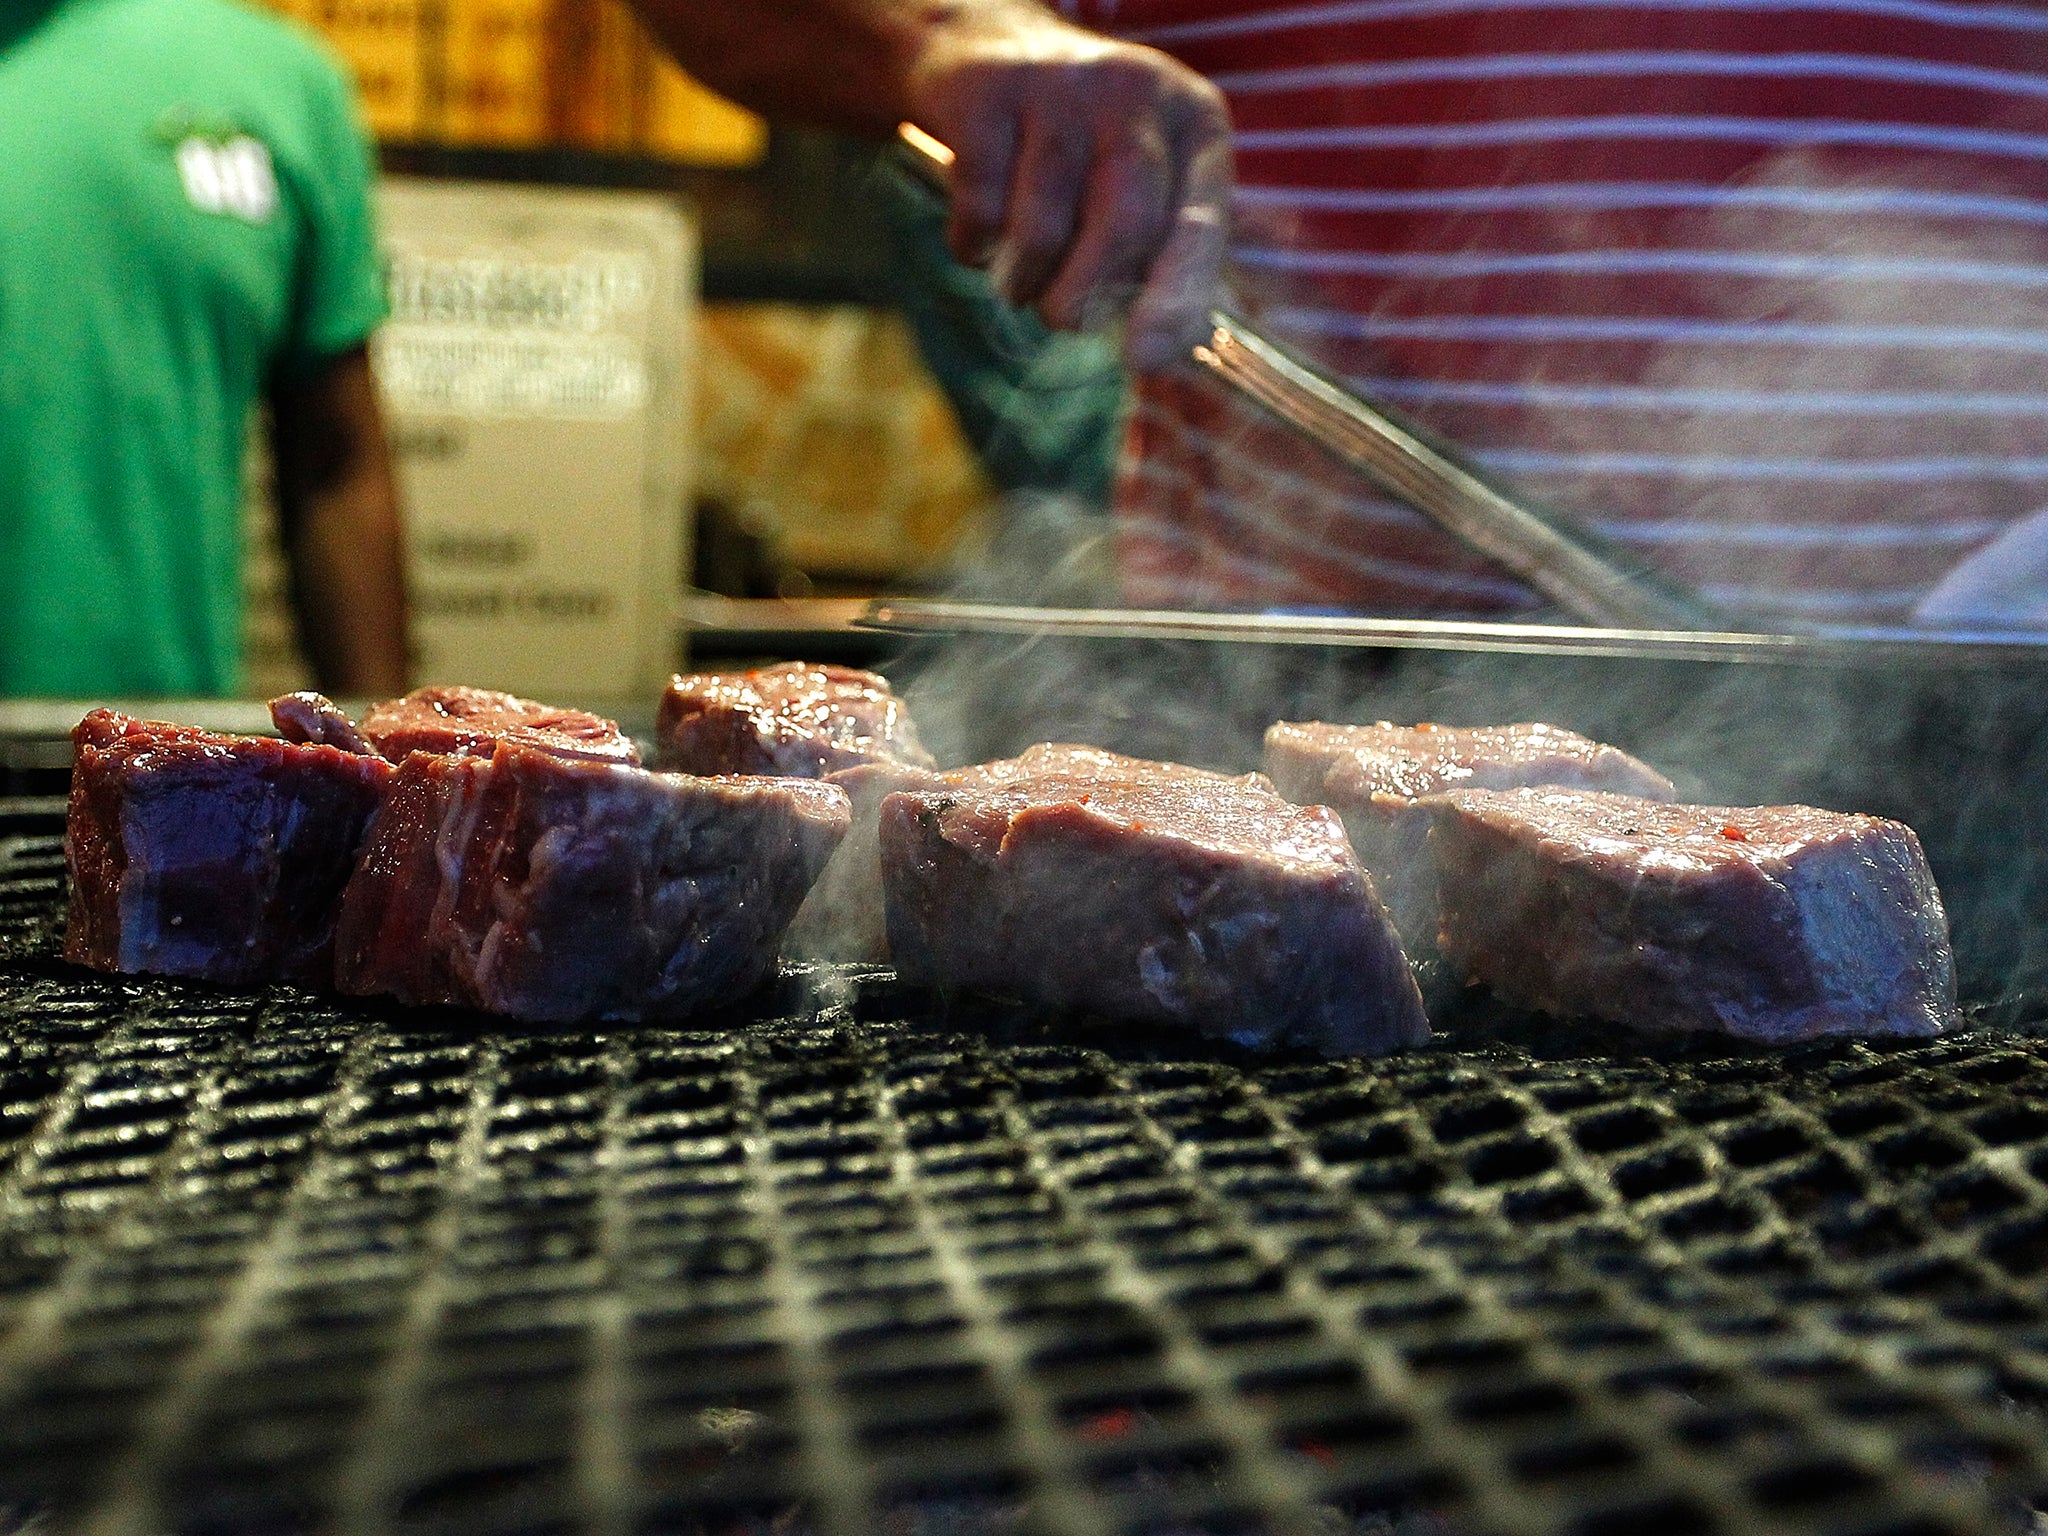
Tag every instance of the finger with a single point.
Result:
(1171, 312)
(1125, 220)
(1044, 208)
(984, 144)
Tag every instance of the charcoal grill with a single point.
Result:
(847, 1262)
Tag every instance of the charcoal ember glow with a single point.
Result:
(217, 857)
(1197, 902)
(471, 721)
(1372, 776)
(556, 889)
(1772, 924)
(842, 919)
(799, 720)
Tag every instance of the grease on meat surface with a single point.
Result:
(554, 889)
(470, 722)
(1372, 776)
(1188, 900)
(843, 919)
(796, 720)
(1772, 923)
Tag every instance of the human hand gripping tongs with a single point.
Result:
(1564, 562)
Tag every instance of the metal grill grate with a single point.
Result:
(276, 1261)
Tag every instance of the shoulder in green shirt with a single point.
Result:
(186, 195)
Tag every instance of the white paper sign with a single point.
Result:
(535, 372)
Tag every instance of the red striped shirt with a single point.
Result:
(1757, 287)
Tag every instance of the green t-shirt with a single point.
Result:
(184, 208)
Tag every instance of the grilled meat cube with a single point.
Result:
(218, 857)
(1307, 758)
(316, 720)
(842, 919)
(470, 722)
(797, 720)
(1774, 923)
(1197, 902)
(551, 888)
(1372, 775)
(1065, 758)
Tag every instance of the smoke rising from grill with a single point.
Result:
(1958, 755)
(1810, 399)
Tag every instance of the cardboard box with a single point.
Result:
(272, 661)
(536, 373)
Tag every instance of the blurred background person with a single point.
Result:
(184, 190)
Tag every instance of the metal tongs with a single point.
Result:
(1567, 564)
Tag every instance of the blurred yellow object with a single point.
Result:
(384, 44)
(821, 426)
(688, 122)
(495, 73)
(593, 70)
(519, 74)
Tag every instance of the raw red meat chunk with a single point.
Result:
(1182, 899)
(220, 857)
(316, 720)
(551, 888)
(471, 722)
(1772, 923)
(842, 919)
(798, 720)
(1372, 775)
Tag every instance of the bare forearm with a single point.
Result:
(343, 538)
(844, 64)
(348, 572)
(1092, 177)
